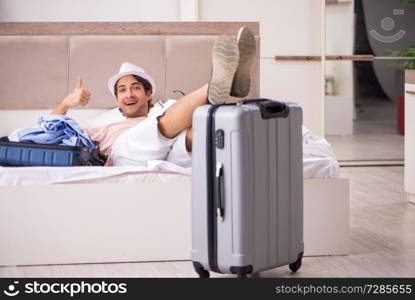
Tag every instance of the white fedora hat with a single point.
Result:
(130, 69)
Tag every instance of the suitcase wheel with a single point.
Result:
(242, 272)
(202, 272)
(295, 266)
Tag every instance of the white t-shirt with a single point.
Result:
(143, 141)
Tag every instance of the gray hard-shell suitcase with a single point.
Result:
(247, 187)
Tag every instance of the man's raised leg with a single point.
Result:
(231, 68)
(225, 58)
(178, 117)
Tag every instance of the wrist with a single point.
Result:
(64, 107)
(61, 109)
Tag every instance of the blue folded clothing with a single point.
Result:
(55, 129)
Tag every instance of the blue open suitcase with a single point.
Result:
(31, 154)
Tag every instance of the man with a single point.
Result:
(143, 136)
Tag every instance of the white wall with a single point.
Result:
(287, 27)
(339, 41)
(89, 10)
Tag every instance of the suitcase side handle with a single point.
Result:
(219, 192)
(270, 109)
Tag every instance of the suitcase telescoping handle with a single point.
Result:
(270, 109)
(219, 192)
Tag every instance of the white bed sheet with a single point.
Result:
(319, 161)
(323, 167)
(16, 176)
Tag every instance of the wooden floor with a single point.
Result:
(375, 135)
(382, 234)
(362, 147)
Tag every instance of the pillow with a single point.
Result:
(161, 106)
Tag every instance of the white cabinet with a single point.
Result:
(339, 115)
(295, 82)
(410, 135)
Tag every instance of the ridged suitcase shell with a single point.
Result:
(250, 158)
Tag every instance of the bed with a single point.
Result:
(125, 215)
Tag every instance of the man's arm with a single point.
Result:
(78, 97)
(178, 117)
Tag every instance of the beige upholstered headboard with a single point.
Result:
(39, 62)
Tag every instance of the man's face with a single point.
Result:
(132, 98)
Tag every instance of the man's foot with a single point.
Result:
(247, 48)
(225, 58)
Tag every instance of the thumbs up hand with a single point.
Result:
(78, 97)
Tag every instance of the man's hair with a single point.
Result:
(146, 84)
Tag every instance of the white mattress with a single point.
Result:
(15, 176)
(318, 162)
